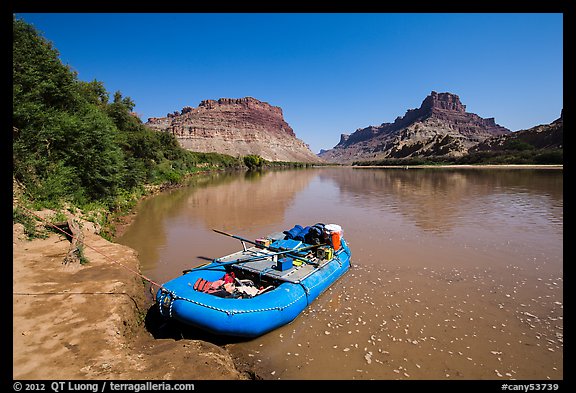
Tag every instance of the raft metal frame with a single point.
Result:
(267, 265)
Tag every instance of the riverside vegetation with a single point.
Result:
(75, 148)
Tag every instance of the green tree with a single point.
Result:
(40, 80)
(253, 161)
(94, 153)
(120, 110)
(63, 142)
(94, 92)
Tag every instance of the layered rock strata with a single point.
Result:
(237, 127)
(543, 136)
(439, 127)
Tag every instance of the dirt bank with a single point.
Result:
(87, 321)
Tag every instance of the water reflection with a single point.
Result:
(254, 200)
(390, 208)
(173, 230)
(438, 199)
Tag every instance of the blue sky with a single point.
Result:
(330, 73)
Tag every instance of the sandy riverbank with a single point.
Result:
(87, 321)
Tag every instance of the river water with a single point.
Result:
(457, 273)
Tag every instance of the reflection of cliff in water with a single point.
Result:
(255, 200)
(147, 234)
(435, 199)
(228, 201)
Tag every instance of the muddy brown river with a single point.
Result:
(457, 273)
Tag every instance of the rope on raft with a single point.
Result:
(169, 296)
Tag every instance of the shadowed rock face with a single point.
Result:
(440, 127)
(235, 126)
(543, 136)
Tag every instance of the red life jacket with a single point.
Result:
(202, 285)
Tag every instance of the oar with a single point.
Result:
(236, 237)
(266, 256)
(268, 248)
(203, 266)
(238, 261)
(261, 245)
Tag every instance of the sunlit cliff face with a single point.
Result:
(241, 126)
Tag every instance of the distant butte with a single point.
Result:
(440, 127)
(235, 126)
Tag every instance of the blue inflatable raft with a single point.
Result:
(260, 288)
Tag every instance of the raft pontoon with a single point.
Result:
(260, 288)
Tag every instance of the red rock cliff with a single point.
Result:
(236, 126)
(439, 127)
